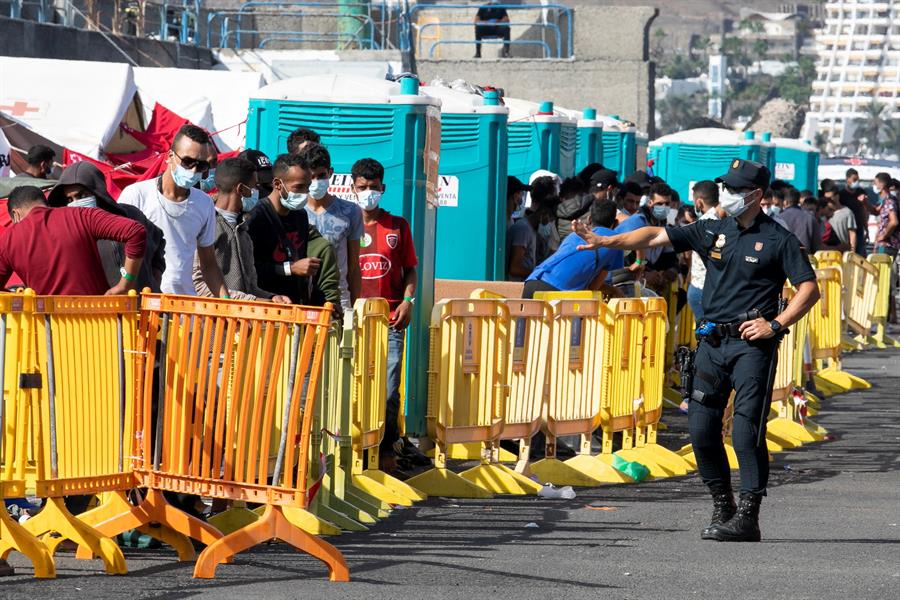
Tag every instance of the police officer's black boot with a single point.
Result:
(744, 525)
(723, 509)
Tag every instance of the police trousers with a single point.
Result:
(744, 367)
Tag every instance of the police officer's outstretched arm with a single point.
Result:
(639, 239)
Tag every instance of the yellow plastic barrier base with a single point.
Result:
(500, 479)
(599, 467)
(342, 520)
(842, 380)
(882, 342)
(729, 451)
(305, 520)
(671, 397)
(375, 507)
(473, 452)
(826, 388)
(15, 537)
(233, 519)
(852, 344)
(555, 471)
(668, 458)
(55, 518)
(656, 466)
(687, 454)
(445, 483)
(395, 485)
(380, 491)
(790, 429)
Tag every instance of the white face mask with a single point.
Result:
(644, 200)
(545, 230)
(249, 202)
(734, 204)
(87, 202)
(368, 199)
(318, 188)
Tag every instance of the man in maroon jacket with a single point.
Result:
(54, 250)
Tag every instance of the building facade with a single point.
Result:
(858, 65)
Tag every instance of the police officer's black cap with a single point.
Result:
(514, 185)
(745, 174)
(603, 179)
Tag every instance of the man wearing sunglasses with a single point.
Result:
(748, 258)
(186, 215)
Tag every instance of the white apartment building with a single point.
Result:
(858, 62)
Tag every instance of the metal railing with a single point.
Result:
(233, 24)
(564, 47)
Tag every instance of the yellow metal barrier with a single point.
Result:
(789, 427)
(369, 395)
(829, 258)
(885, 265)
(581, 359)
(860, 298)
(19, 373)
(468, 381)
(648, 406)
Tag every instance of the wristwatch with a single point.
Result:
(775, 325)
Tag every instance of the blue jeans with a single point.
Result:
(695, 301)
(396, 340)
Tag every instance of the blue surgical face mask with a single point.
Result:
(185, 178)
(318, 188)
(660, 212)
(294, 200)
(250, 202)
(87, 202)
(208, 183)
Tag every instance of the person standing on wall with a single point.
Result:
(748, 259)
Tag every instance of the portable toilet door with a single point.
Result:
(684, 158)
(589, 137)
(766, 153)
(796, 162)
(360, 117)
(535, 135)
(619, 150)
(472, 190)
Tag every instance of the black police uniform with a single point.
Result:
(745, 270)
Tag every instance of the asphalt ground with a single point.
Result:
(831, 529)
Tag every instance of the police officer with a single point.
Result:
(748, 258)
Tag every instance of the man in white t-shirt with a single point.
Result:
(186, 216)
(706, 201)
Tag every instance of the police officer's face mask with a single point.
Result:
(735, 203)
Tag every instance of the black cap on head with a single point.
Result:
(745, 174)
(603, 179)
(640, 178)
(262, 164)
(513, 185)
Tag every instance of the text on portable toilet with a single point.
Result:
(341, 186)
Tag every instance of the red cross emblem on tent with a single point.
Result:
(18, 108)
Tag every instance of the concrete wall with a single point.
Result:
(34, 40)
(610, 71)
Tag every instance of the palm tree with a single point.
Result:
(891, 139)
(871, 127)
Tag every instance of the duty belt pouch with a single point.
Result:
(707, 381)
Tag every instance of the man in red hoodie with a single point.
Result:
(54, 250)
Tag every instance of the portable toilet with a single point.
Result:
(540, 137)
(686, 157)
(796, 162)
(359, 117)
(472, 189)
(589, 137)
(619, 145)
(766, 155)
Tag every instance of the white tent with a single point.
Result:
(214, 100)
(78, 104)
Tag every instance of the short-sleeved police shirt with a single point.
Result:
(745, 268)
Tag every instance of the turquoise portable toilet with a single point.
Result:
(766, 155)
(686, 157)
(796, 162)
(359, 117)
(539, 137)
(472, 189)
(589, 137)
(619, 145)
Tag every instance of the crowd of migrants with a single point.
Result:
(271, 231)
